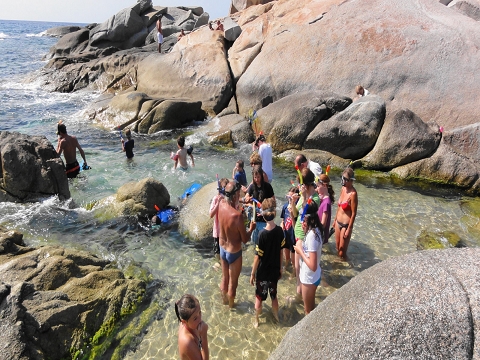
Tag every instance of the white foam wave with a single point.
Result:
(43, 33)
(3, 36)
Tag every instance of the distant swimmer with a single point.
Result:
(68, 145)
(232, 235)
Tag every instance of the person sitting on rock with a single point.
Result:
(68, 145)
(182, 34)
(219, 26)
(360, 91)
(210, 26)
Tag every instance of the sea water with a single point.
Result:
(388, 222)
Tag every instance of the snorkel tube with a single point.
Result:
(309, 201)
(299, 174)
(327, 170)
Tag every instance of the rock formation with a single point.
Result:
(54, 302)
(423, 305)
(418, 59)
(30, 168)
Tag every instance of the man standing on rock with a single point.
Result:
(232, 235)
(69, 145)
(159, 33)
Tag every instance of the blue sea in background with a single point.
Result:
(388, 222)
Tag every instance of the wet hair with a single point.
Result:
(223, 183)
(61, 128)
(255, 159)
(186, 306)
(326, 180)
(231, 189)
(268, 209)
(300, 159)
(358, 89)
(128, 133)
(240, 164)
(312, 219)
(349, 171)
(308, 176)
(181, 141)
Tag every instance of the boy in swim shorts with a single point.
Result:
(180, 157)
(267, 265)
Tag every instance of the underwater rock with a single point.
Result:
(431, 240)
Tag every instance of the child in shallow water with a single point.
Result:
(192, 332)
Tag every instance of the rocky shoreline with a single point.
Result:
(420, 123)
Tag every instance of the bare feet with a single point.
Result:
(255, 322)
(224, 298)
(231, 302)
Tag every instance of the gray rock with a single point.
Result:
(469, 8)
(465, 140)
(140, 198)
(194, 221)
(202, 20)
(233, 128)
(351, 133)
(446, 166)
(288, 121)
(142, 6)
(404, 138)
(57, 299)
(171, 114)
(187, 16)
(60, 31)
(119, 28)
(196, 10)
(231, 29)
(70, 43)
(423, 305)
(30, 168)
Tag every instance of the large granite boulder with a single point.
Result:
(288, 121)
(404, 138)
(57, 303)
(194, 220)
(140, 198)
(423, 305)
(126, 26)
(447, 166)
(60, 31)
(238, 5)
(352, 133)
(381, 44)
(231, 29)
(231, 129)
(196, 69)
(30, 168)
(465, 141)
(73, 42)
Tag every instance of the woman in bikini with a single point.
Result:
(346, 213)
(192, 332)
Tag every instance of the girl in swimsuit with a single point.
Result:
(346, 213)
(192, 332)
